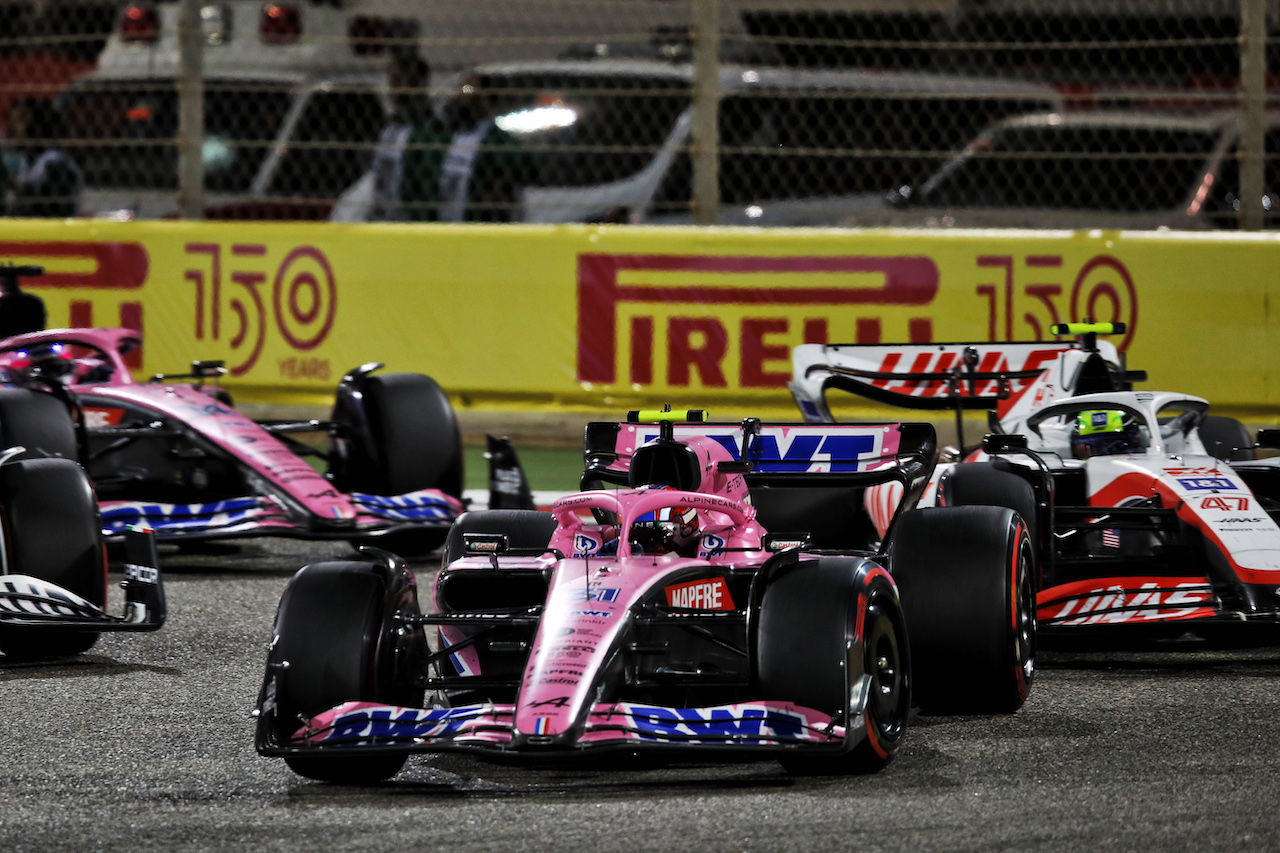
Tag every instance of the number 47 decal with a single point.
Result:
(1225, 502)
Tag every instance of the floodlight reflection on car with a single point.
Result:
(537, 119)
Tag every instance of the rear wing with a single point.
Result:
(770, 453)
(919, 376)
(958, 376)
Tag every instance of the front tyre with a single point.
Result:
(335, 641)
(1226, 439)
(402, 436)
(810, 651)
(397, 434)
(51, 531)
(37, 421)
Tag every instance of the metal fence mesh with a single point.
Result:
(937, 112)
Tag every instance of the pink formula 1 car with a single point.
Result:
(1153, 519)
(173, 455)
(706, 595)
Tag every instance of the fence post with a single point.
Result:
(706, 107)
(190, 111)
(1253, 95)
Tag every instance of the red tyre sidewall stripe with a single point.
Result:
(1015, 597)
(864, 600)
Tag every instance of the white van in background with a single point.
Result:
(289, 122)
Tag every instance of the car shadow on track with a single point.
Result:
(477, 782)
(81, 666)
(1219, 661)
(460, 778)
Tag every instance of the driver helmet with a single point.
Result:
(680, 525)
(1103, 432)
(672, 529)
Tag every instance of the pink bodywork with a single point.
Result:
(587, 607)
(590, 595)
(597, 579)
(237, 435)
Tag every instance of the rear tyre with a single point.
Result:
(37, 421)
(52, 532)
(524, 528)
(403, 438)
(968, 593)
(809, 652)
(334, 629)
(983, 484)
(1226, 439)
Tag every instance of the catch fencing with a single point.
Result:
(1125, 114)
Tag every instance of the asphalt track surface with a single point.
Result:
(145, 743)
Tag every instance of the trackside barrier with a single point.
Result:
(599, 317)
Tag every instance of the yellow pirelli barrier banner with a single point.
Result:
(587, 317)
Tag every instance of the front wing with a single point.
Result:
(261, 515)
(763, 726)
(31, 602)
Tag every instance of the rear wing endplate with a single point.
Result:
(31, 602)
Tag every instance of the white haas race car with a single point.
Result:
(1153, 519)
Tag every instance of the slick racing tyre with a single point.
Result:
(406, 438)
(524, 528)
(51, 531)
(807, 653)
(984, 484)
(334, 643)
(1226, 439)
(37, 421)
(965, 575)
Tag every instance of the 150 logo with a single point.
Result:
(298, 296)
(1102, 289)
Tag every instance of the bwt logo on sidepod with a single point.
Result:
(707, 315)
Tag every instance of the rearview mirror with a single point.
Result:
(1269, 438)
(995, 443)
